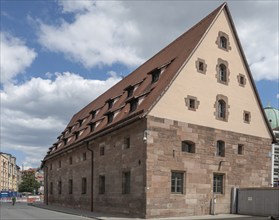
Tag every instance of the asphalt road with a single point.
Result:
(22, 211)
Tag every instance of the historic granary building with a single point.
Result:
(184, 126)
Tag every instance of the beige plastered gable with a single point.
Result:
(189, 82)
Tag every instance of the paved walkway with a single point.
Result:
(102, 216)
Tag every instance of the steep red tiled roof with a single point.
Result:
(169, 60)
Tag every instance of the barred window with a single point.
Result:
(218, 180)
(177, 179)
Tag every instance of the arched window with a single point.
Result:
(188, 146)
(222, 73)
(223, 42)
(221, 109)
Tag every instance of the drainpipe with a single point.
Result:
(92, 174)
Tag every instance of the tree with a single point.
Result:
(29, 183)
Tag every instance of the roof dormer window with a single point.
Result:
(92, 126)
(93, 114)
(110, 116)
(80, 122)
(155, 75)
(130, 91)
(110, 103)
(76, 133)
(133, 105)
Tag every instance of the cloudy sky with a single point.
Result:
(57, 56)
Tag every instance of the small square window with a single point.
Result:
(240, 149)
(177, 182)
(241, 80)
(188, 146)
(246, 117)
(201, 66)
(102, 151)
(192, 103)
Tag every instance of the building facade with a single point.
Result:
(272, 115)
(185, 127)
(8, 172)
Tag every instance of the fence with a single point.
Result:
(258, 201)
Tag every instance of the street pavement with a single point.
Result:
(22, 211)
(39, 211)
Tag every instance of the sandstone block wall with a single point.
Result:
(164, 154)
(116, 160)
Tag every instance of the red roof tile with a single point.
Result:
(170, 60)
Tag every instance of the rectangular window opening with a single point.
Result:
(59, 187)
(70, 186)
(84, 156)
(240, 149)
(126, 182)
(127, 142)
(102, 183)
(218, 183)
(177, 181)
(83, 186)
(102, 151)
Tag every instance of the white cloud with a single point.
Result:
(277, 96)
(129, 32)
(76, 6)
(262, 54)
(34, 113)
(15, 57)
(97, 37)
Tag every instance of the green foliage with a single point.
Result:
(29, 183)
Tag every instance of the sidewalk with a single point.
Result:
(103, 216)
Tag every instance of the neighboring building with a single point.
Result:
(39, 177)
(8, 172)
(184, 127)
(272, 115)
